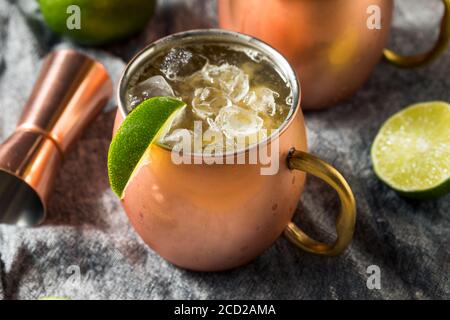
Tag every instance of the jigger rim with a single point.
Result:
(220, 36)
(80, 53)
(36, 193)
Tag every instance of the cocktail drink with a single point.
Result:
(233, 93)
(241, 96)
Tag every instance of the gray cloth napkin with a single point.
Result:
(88, 250)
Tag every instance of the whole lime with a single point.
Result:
(96, 21)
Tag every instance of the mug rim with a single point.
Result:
(219, 36)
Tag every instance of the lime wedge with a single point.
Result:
(411, 152)
(137, 132)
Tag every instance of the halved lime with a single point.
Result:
(137, 132)
(411, 152)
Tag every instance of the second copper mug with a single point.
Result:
(218, 216)
(333, 44)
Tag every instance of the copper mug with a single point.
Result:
(333, 44)
(218, 216)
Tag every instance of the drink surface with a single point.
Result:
(235, 96)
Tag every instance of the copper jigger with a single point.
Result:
(70, 91)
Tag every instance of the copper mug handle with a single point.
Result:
(424, 58)
(345, 222)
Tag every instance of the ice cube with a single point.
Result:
(213, 125)
(208, 101)
(235, 121)
(231, 79)
(262, 99)
(152, 87)
(180, 62)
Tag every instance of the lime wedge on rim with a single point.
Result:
(137, 132)
(411, 152)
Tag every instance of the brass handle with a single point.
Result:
(345, 222)
(424, 58)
